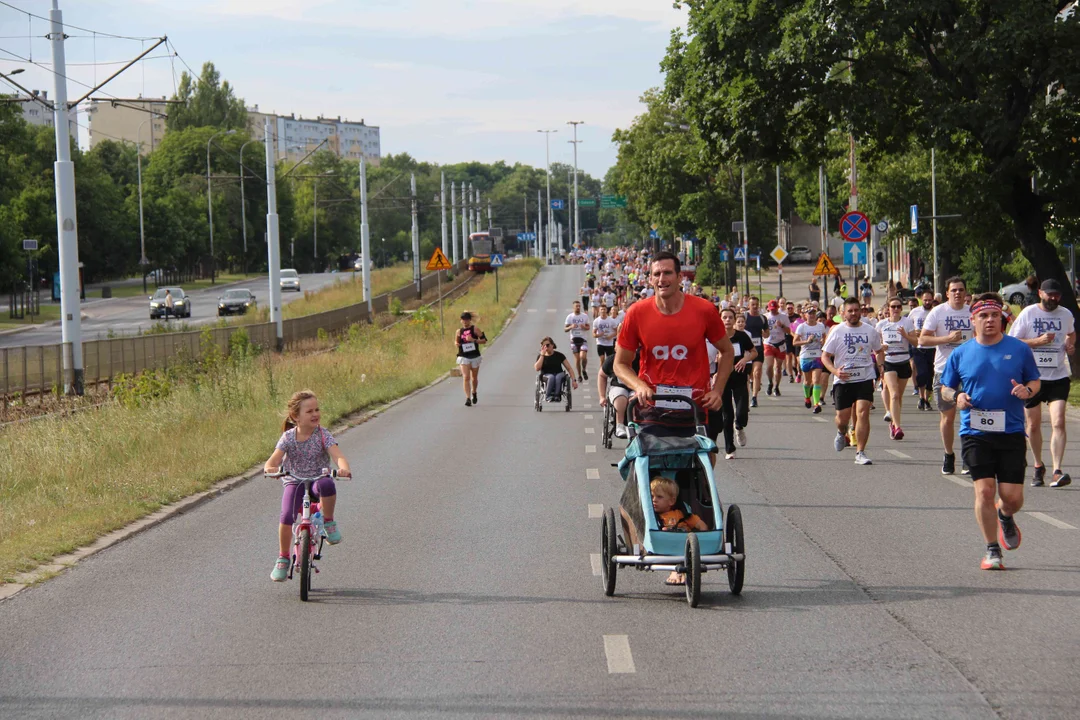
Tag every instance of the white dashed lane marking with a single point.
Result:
(532, 310)
(898, 454)
(590, 431)
(587, 417)
(590, 448)
(619, 657)
(817, 419)
(592, 474)
(958, 481)
(1060, 524)
(594, 560)
(552, 310)
(587, 406)
(596, 511)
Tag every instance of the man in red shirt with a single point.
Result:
(672, 330)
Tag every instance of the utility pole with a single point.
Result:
(541, 249)
(315, 223)
(442, 204)
(243, 201)
(746, 236)
(143, 261)
(469, 229)
(365, 239)
(550, 220)
(577, 213)
(489, 215)
(66, 228)
(464, 224)
(273, 238)
(476, 209)
(415, 239)
(453, 222)
(933, 223)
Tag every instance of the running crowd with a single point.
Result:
(657, 332)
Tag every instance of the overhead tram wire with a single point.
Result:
(76, 27)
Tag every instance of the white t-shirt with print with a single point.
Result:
(852, 349)
(779, 327)
(812, 349)
(942, 321)
(605, 326)
(1032, 322)
(897, 347)
(579, 319)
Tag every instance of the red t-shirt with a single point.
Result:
(673, 350)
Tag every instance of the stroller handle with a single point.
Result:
(669, 398)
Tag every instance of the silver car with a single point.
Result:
(290, 280)
(1014, 293)
(799, 254)
(181, 304)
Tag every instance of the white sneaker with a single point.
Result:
(839, 442)
(888, 417)
(620, 431)
(729, 456)
(861, 459)
(740, 437)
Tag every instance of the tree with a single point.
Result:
(206, 101)
(994, 82)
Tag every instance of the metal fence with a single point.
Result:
(37, 369)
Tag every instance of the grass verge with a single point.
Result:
(66, 481)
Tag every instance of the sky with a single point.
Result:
(445, 80)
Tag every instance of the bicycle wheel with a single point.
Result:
(305, 563)
(566, 389)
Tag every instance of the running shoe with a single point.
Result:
(861, 459)
(892, 431)
(808, 403)
(740, 437)
(333, 535)
(1008, 533)
(281, 570)
(888, 417)
(730, 455)
(964, 469)
(817, 409)
(620, 431)
(791, 378)
(851, 436)
(1037, 480)
(948, 465)
(769, 390)
(468, 402)
(753, 402)
(899, 434)
(840, 441)
(776, 392)
(474, 400)
(784, 371)
(585, 374)
(1060, 479)
(914, 392)
(993, 561)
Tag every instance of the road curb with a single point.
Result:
(64, 562)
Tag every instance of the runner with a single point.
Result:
(809, 338)
(997, 374)
(734, 413)
(577, 324)
(849, 354)
(945, 328)
(790, 366)
(671, 331)
(898, 334)
(775, 346)
(612, 390)
(922, 358)
(468, 340)
(604, 330)
(585, 292)
(1047, 328)
(755, 328)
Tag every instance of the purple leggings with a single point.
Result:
(292, 501)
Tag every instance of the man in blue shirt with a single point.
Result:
(998, 374)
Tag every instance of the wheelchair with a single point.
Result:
(540, 393)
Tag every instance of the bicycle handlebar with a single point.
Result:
(333, 474)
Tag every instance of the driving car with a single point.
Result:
(798, 254)
(181, 303)
(236, 302)
(290, 280)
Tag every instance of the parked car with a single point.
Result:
(799, 254)
(181, 303)
(236, 302)
(1014, 293)
(290, 280)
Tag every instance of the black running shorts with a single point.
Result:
(1049, 391)
(847, 394)
(902, 369)
(1002, 456)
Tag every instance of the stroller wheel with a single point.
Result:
(609, 547)
(733, 534)
(693, 571)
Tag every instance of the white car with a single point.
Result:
(290, 280)
(798, 254)
(1014, 293)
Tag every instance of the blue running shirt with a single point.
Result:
(986, 371)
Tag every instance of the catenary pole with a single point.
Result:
(938, 287)
(464, 224)
(547, 172)
(66, 221)
(415, 237)
(746, 236)
(365, 239)
(442, 210)
(453, 222)
(577, 212)
(273, 238)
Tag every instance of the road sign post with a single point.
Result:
(496, 262)
(437, 264)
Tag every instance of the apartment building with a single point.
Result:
(123, 121)
(297, 136)
(37, 110)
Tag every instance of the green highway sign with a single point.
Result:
(586, 202)
(613, 201)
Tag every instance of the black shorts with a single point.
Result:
(605, 350)
(760, 353)
(1049, 391)
(902, 369)
(924, 366)
(790, 343)
(1002, 456)
(847, 394)
(579, 345)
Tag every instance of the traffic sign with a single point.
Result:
(654, 235)
(527, 236)
(740, 253)
(496, 260)
(883, 227)
(558, 204)
(778, 254)
(723, 256)
(914, 219)
(854, 226)
(586, 202)
(825, 266)
(613, 201)
(29, 244)
(438, 261)
(854, 253)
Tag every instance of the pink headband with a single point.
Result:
(985, 305)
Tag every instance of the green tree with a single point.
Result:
(206, 101)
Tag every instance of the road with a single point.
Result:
(465, 585)
(127, 316)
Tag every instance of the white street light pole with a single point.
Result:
(577, 212)
(365, 239)
(143, 261)
(453, 221)
(938, 287)
(442, 205)
(547, 144)
(210, 202)
(415, 239)
(273, 240)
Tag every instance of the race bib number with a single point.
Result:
(892, 337)
(737, 349)
(986, 420)
(1047, 358)
(468, 347)
(965, 335)
(858, 374)
(756, 341)
(686, 392)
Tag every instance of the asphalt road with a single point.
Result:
(128, 316)
(465, 585)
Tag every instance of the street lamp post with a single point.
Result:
(243, 203)
(210, 202)
(577, 212)
(143, 261)
(547, 143)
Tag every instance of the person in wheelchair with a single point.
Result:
(555, 369)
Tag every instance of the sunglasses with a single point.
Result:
(896, 307)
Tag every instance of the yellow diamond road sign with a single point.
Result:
(438, 261)
(778, 254)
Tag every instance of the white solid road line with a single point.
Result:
(590, 431)
(1051, 520)
(898, 454)
(592, 474)
(619, 657)
(594, 560)
(596, 511)
(590, 448)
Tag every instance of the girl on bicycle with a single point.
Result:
(306, 449)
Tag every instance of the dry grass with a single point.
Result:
(65, 482)
(349, 291)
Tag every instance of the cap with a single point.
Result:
(466, 315)
(773, 305)
(1050, 285)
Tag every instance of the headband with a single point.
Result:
(985, 305)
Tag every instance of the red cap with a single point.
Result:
(773, 305)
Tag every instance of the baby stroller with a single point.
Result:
(642, 544)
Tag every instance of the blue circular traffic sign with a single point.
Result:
(855, 226)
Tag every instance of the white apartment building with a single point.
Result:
(39, 111)
(296, 137)
(109, 121)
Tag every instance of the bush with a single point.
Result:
(396, 307)
(425, 317)
(136, 391)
